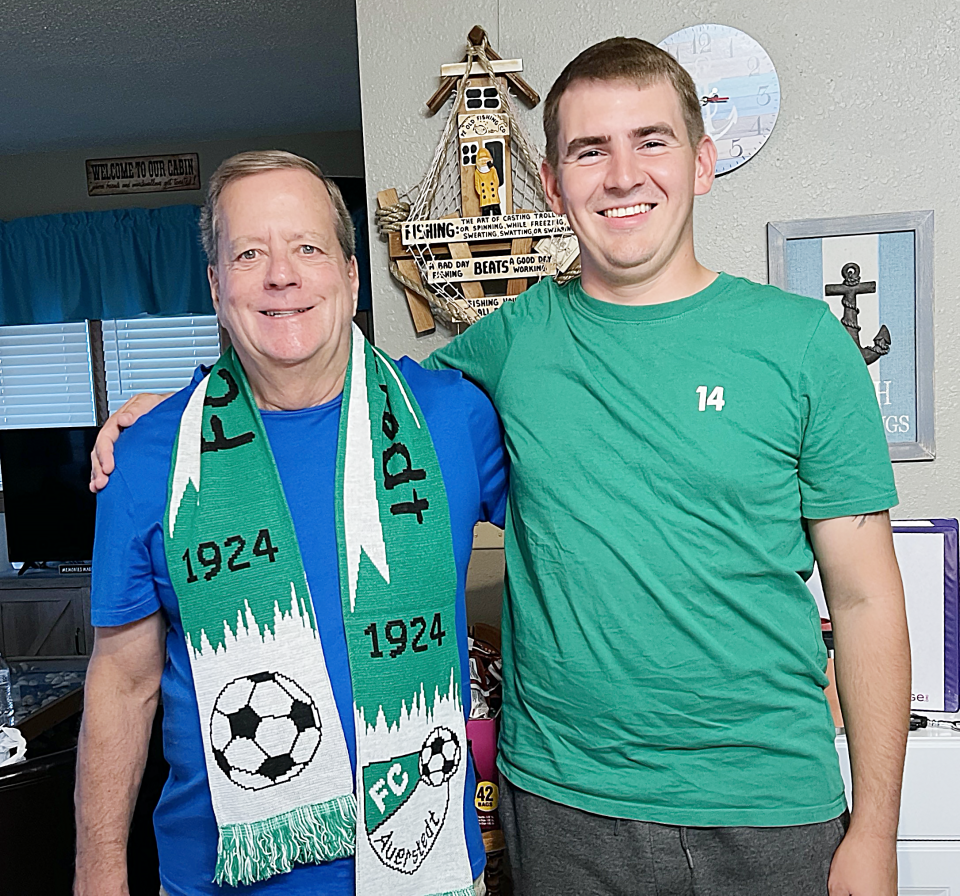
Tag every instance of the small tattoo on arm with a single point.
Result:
(862, 518)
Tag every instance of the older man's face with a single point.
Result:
(282, 288)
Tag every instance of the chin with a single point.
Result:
(275, 355)
(619, 265)
(289, 358)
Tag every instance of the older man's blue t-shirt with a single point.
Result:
(130, 581)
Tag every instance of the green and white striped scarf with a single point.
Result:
(277, 762)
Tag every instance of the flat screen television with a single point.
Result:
(49, 509)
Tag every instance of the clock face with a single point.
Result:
(737, 84)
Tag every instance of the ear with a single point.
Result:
(353, 275)
(214, 287)
(706, 166)
(551, 186)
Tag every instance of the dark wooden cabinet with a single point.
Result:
(45, 614)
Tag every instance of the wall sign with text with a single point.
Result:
(143, 174)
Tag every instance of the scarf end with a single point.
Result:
(311, 834)
(466, 891)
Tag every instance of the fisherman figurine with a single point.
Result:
(487, 183)
(849, 290)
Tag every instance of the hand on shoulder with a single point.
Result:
(101, 458)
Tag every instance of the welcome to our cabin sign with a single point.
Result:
(143, 174)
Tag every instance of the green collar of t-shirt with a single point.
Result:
(640, 313)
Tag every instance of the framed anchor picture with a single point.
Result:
(876, 273)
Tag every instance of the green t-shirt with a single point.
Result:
(662, 654)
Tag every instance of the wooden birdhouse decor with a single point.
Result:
(477, 230)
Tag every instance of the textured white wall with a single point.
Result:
(402, 47)
(868, 116)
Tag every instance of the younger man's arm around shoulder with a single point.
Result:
(862, 586)
(120, 700)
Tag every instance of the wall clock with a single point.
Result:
(738, 88)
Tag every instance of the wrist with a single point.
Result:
(100, 885)
(97, 877)
(870, 829)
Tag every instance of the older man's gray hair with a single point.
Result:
(246, 163)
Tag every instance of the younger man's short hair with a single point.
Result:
(623, 59)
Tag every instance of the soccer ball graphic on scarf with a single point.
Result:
(264, 730)
(439, 756)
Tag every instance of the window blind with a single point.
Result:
(46, 376)
(155, 354)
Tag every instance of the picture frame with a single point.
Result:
(876, 273)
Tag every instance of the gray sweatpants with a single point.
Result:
(555, 849)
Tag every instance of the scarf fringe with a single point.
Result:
(466, 891)
(256, 850)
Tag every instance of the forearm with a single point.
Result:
(112, 751)
(873, 681)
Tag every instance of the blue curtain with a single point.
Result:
(102, 265)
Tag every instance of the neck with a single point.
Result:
(297, 386)
(680, 276)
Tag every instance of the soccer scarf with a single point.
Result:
(276, 758)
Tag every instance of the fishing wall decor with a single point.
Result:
(476, 230)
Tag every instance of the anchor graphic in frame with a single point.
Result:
(848, 291)
(896, 251)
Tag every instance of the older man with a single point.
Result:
(282, 555)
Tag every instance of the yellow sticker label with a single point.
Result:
(488, 796)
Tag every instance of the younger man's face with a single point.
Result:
(626, 178)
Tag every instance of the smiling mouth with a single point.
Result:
(289, 313)
(629, 210)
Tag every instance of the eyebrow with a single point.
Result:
(312, 236)
(661, 128)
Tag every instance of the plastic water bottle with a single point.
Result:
(6, 694)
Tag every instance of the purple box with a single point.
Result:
(927, 554)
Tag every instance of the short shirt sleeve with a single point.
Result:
(844, 466)
(481, 351)
(123, 587)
